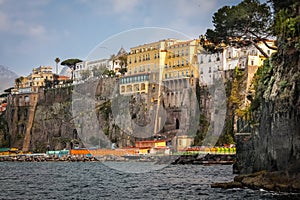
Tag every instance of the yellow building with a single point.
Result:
(35, 80)
(180, 71)
(38, 76)
(144, 65)
(182, 60)
(150, 64)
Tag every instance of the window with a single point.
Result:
(182, 52)
(26, 99)
(187, 52)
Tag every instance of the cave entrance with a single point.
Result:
(177, 123)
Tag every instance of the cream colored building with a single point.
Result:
(182, 142)
(180, 72)
(35, 80)
(145, 64)
(162, 63)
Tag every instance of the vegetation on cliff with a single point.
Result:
(4, 135)
(247, 23)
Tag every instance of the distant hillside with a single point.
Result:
(7, 78)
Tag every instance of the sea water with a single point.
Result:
(120, 180)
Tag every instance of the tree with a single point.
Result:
(85, 74)
(113, 58)
(71, 63)
(123, 61)
(109, 73)
(57, 60)
(123, 71)
(18, 81)
(247, 23)
(123, 64)
(98, 71)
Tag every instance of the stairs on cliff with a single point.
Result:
(27, 138)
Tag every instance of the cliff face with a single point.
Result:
(52, 126)
(47, 120)
(275, 145)
(40, 121)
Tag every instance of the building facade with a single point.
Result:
(38, 78)
(211, 64)
(88, 69)
(145, 65)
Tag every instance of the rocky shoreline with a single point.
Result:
(278, 181)
(203, 159)
(55, 158)
(200, 159)
(84, 158)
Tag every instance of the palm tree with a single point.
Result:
(18, 81)
(57, 60)
(113, 58)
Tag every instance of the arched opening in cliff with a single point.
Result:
(177, 123)
(75, 134)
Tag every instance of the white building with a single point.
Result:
(93, 67)
(210, 65)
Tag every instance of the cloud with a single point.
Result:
(20, 27)
(121, 6)
(194, 8)
(36, 30)
(3, 22)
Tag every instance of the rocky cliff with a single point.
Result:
(47, 120)
(275, 143)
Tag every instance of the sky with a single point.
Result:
(35, 32)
